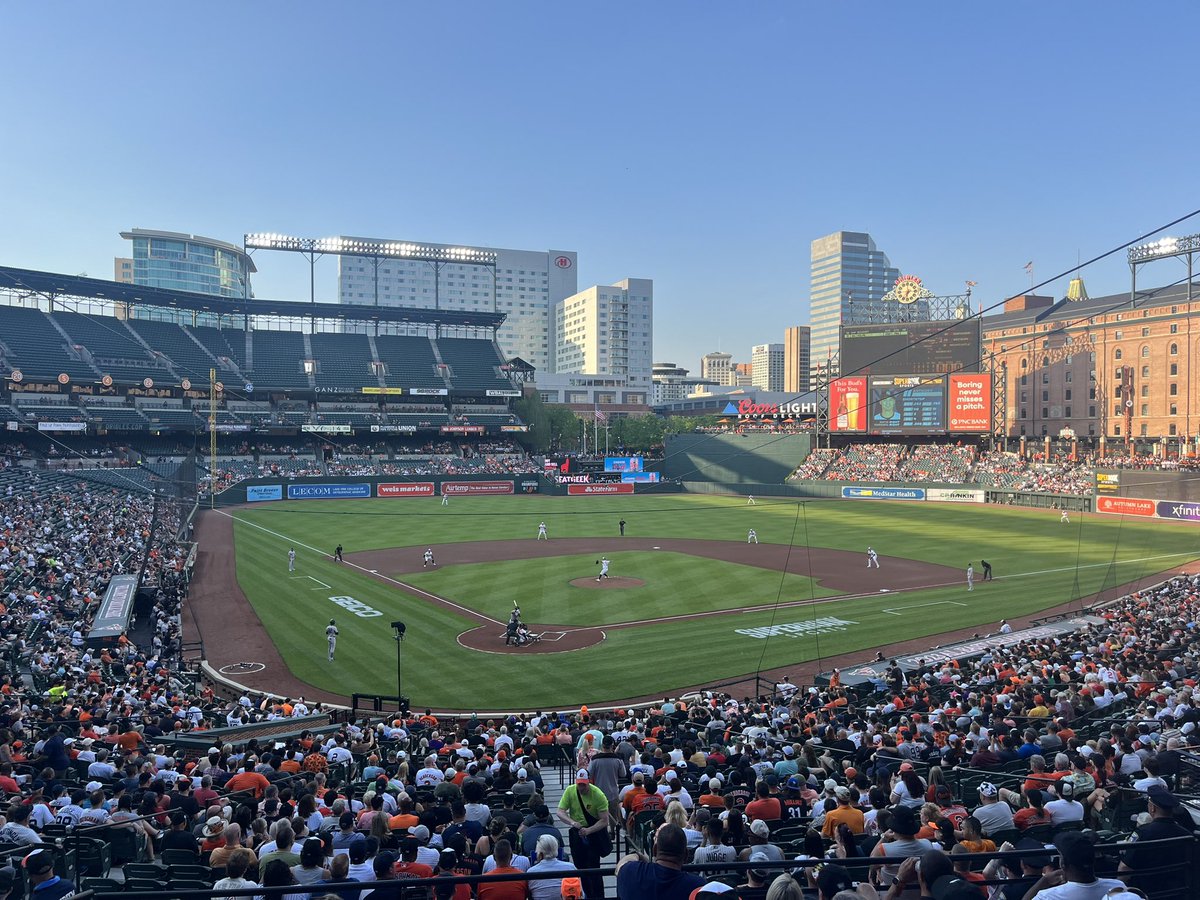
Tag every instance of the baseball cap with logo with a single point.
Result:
(987, 789)
(760, 828)
(572, 889)
(39, 862)
(582, 777)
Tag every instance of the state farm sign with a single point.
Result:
(588, 490)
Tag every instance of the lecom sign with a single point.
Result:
(458, 488)
(587, 490)
(404, 489)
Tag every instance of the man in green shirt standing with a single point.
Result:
(584, 810)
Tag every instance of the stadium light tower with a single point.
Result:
(375, 250)
(1184, 248)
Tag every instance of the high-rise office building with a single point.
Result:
(608, 330)
(717, 367)
(797, 356)
(766, 366)
(527, 285)
(849, 277)
(185, 262)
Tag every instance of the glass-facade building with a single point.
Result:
(186, 262)
(849, 276)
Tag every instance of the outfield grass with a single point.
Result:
(674, 582)
(1039, 563)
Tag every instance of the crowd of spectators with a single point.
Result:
(949, 463)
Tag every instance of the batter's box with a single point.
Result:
(553, 635)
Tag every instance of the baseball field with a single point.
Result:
(689, 601)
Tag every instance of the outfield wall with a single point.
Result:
(734, 459)
(396, 487)
(935, 492)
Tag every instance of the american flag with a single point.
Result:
(1029, 268)
(972, 284)
(600, 416)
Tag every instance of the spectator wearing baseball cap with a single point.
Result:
(902, 841)
(640, 879)
(583, 808)
(1163, 807)
(993, 815)
(39, 870)
(1077, 877)
(845, 813)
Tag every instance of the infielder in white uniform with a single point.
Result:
(750, 500)
(292, 560)
(970, 577)
(542, 532)
(872, 558)
(428, 559)
(752, 537)
(603, 568)
(331, 633)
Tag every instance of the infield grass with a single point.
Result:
(1039, 563)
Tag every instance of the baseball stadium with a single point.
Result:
(338, 540)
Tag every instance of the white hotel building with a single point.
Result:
(608, 330)
(528, 286)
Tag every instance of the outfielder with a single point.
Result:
(445, 499)
(292, 560)
(542, 532)
(331, 633)
(872, 558)
(428, 559)
(750, 500)
(1065, 518)
(752, 537)
(603, 568)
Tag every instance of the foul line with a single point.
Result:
(408, 587)
(891, 610)
(317, 580)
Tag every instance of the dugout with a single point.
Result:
(115, 611)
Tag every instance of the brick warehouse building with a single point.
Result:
(1102, 366)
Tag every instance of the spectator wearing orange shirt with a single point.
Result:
(248, 780)
(763, 806)
(851, 816)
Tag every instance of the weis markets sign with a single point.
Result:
(404, 489)
(748, 409)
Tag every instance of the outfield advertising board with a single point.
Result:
(970, 403)
(404, 489)
(1174, 509)
(460, 488)
(1125, 506)
(955, 495)
(328, 491)
(256, 493)
(640, 477)
(588, 490)
(882, 493)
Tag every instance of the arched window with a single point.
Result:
(1118, 354)
(1174, 350)
(1145, 353)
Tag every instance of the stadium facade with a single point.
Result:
(526, 286)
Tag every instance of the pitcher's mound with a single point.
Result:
(613, 581)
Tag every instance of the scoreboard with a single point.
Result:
(911, 348)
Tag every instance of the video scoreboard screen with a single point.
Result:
(623, 464)
(907, 404)
(911, 348)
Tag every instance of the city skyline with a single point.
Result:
(965, 172)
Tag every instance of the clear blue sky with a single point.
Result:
(699, 144)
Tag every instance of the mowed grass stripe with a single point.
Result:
(655, 659)
(675, 583)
